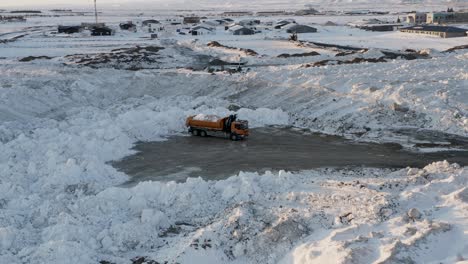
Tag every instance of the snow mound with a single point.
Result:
(372, 54)
(203, 117)
(61, 202)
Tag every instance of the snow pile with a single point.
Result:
(59, 129)
(425, 226)
(372, 54)
(60, 201)
(316, 216)
(203, 117)
(365, 99)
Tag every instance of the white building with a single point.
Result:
(416, 18)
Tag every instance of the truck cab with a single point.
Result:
(240, 128)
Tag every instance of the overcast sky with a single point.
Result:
(187, 4)
(84, 3)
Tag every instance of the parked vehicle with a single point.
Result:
(204, 125)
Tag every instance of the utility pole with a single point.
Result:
(95, 12)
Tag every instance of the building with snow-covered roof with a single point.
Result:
(416, 18)
(191, 20)
(69, 29)
(300, 29)
(237, 13)
(363, 22)
(271, 13)
(127, 25)
(374, 25)
(441, 31)
(306, 12)
(447, 17)
(241, 30)
(101, 31)
(149, 22)
(281, 24)
(249, 22)
(12, 19)
(201, 30)
(212, 23)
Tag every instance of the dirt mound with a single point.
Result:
(361, 58)
(457, 48)
(307, 54)
(31, 58)
(215, 44)
(339, 62)
(125, 58)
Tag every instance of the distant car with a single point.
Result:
(182, 33)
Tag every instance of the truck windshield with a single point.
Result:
(241, 126)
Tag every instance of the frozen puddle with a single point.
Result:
(266, 149)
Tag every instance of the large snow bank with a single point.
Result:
(316, 216)
(57, 135)
(60, 204)
(424, 226)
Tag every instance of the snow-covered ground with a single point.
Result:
(60, 125)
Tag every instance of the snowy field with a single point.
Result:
(62, 122)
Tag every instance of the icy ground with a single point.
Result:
(62, 122)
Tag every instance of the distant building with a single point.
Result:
(175, 20)
(271, 13)
(69, 29)
(374, 25)
(127, 26)
(380, 27)
(201, 30)
(282, 23)
(441, 31)
(237, 14)
(228, 20)
(249, 22)
(363, 22)
(92, 25)
(191, 20)
(358, 12)
(149, 22)
(306, 12)
(447, 17)
(61, 10)
(213, 23)
(26, 11)
(12, 19)
(101, 31)
(240, 30)
(416, 18)
(301, 29)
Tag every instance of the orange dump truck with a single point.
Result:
(203, 125)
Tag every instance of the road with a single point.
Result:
(266, 149)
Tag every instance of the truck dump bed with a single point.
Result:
(206, 121)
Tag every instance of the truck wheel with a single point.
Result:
(195, 132)
(203, 133)
(234, 137)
